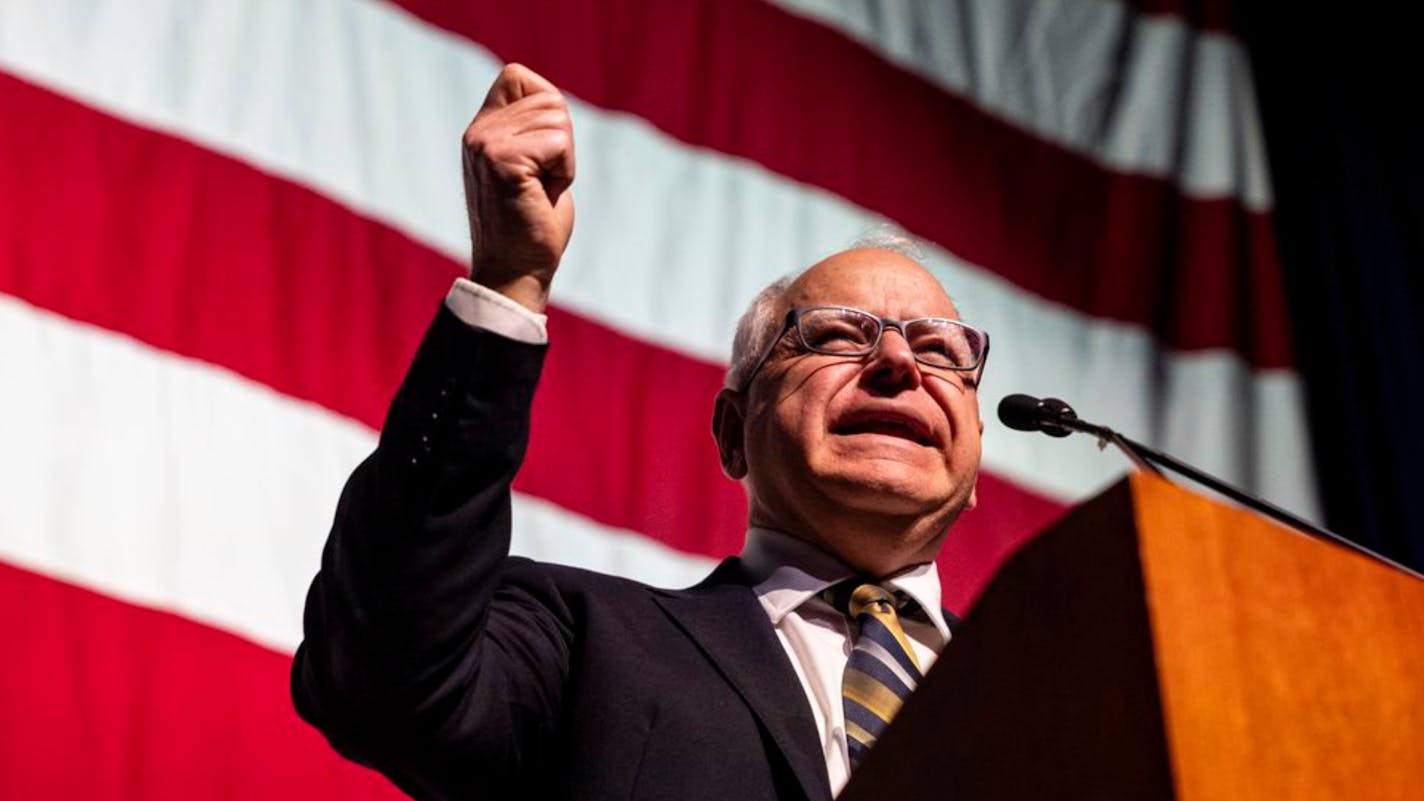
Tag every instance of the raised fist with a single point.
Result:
(518, 164)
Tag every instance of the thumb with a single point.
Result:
(514, 82)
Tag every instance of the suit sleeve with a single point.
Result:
(428, 653)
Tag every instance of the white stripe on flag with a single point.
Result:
(1093, 76)
(175, 484)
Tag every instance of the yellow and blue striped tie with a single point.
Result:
(882, 670)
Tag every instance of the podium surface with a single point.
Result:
(1155, 644)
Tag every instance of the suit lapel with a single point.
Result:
(721, 615)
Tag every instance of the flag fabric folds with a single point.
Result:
(224, 226)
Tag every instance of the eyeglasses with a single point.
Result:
(840, 331)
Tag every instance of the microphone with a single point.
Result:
(1057, 419)
(1027, 413)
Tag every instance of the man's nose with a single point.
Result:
(892, 366)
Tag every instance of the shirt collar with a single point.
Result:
(787, 572)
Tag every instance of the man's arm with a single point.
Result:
(422, 657)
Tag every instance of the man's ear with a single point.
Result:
(728, 423)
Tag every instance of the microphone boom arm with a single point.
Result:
(1056, 418)
(1133, 450)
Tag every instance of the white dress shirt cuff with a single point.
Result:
(482, 307)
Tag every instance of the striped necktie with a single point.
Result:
(882, 670)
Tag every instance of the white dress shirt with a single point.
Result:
(788, 574)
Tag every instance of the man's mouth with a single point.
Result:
(886, 424)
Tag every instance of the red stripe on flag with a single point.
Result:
(195, 253)
(809, 103)
(204, 256)
(104, 699)
(1006, 518)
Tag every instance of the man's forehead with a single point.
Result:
(881, 281)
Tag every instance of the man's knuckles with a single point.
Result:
(543, 146)
(535, 141)
(549, 112)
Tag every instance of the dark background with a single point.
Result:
(1340, 101)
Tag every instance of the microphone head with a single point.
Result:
(1027, 413)
(1019, 412)
(1051, 414)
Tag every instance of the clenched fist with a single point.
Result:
(519, 163)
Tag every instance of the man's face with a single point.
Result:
(869, 457)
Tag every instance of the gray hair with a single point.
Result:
(755, 329)
(888, 236)
(759, 323)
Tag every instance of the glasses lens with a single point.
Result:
(944, 343)
(838, 331)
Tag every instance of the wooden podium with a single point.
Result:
(1159, 645)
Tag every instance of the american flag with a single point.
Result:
(224, 226)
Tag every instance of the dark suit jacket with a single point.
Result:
(461, 672)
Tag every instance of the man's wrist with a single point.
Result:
(483, 307)
(526, 290)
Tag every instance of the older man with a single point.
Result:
(850, 415)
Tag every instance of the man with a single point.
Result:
(462, 672)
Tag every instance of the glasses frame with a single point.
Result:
(793, 320)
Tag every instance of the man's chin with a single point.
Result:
(901, 491)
